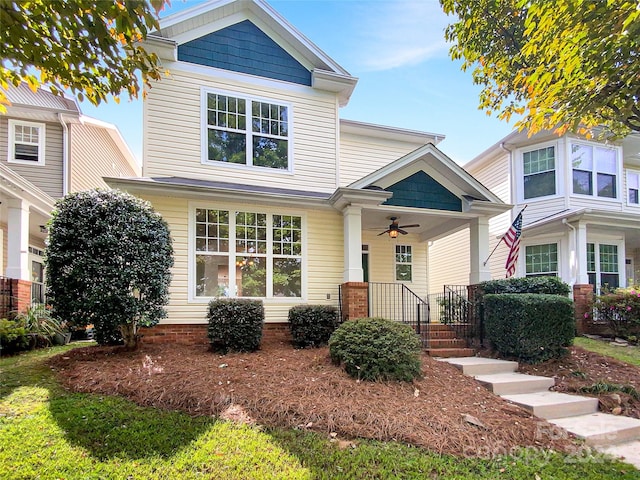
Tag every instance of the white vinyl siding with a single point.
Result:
(173, 133)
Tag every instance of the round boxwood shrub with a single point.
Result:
(235, 324)
(377, 349)
(312, 325)
(529, 327)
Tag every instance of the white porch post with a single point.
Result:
(352, 216)
(479, 250)
(578, 249)
(18, 240)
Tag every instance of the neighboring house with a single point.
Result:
(47, 149)
(582, 216)
(268, 193)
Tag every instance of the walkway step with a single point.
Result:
(447, 343)
(514, 383)
(439, 327)
(482, 366)
(598, 429)
(548, 404)
(629, 452)
(439, 334)
(450, 352)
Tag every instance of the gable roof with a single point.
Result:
(215, 15)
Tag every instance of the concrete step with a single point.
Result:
(599, 429)
(482, 366)
(514, 383)
(450, 352)
(447, 343)
(629, 452)
(546, 404)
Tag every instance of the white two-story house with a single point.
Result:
(268, 193)
(48, 148)
(582, 216)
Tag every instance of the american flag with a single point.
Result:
(512, 239)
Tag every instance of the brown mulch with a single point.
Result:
(444, 411)
(582, 368)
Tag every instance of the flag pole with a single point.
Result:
(501, 238)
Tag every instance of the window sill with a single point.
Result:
(26, 162)
(248, 168)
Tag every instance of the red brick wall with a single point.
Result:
(355, 300)
(196, 334)
(582, 298)
(21, 290)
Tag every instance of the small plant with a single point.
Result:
(377, 349)
(40, 324)
(312, 325)
(605, 387)
(13, 336)
(235, 324)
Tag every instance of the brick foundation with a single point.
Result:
(196, 333)
(21, 290)
(582, 298)
(355, 300)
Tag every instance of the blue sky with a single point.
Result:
(397, 50)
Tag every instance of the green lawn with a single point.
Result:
(624, 354)
(49, 433)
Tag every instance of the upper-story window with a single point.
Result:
(595, 170)
(633, 188)
(26, 142)
(247, 131)
(539, 172)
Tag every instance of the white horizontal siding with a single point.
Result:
(173, 134)
(449, 262)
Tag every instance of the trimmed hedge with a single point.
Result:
(530, 327)
(235, 324)
(312, 325)
(377, 349)
(541, 285)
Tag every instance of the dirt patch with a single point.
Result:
(584, 369)
(444, 411)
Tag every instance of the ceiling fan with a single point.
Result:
(394, 228)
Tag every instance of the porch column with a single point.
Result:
(479, 250)
(352, 216)
(18, 240)
(578, 247)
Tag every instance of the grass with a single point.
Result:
(629, 355)
(49, 433)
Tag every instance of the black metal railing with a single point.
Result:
(7, 301)
(460, 307)
(396, 301)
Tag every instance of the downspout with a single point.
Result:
(65, 155)
(575, 236)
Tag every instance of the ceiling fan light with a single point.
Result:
(393, 233)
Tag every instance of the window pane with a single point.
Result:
(606, 185)
(606, 160)
(541, 259)
(582, 182)
(633, 180)
(633, 196)
(403, 273)
(26, 152)
(251, 276)
(591, 257)
(581, 157)
(212, 276)
(227, 147)
(610, 280)
(540, 184)
(270, 152)
(608, 258)
(287, 277)
(403, 263)
(537, 161)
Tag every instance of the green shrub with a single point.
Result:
(108, 263)
(530, 327)
(619, 310)
(312, 325)
(13, 336)
(541, 285)
(235, 324)
(40, 324)
(377, 349)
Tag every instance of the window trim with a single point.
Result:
(519, 171)
(621, 252)
(629, 172)
(594, 171)
(204, 153)
(396, 263)
(192, 298)
(12, 124)
(558, 271)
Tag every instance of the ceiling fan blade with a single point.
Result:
(409, 226)
(386, 231)
(402, 231)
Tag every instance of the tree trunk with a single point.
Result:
(129, 335)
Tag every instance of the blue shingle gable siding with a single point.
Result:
(422, 191)
(244, 48)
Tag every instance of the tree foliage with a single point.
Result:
(108, 262)
(564, 65)
(87, 46)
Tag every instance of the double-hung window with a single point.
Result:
(595, 170)
(541, 260)
(26, 142)
(539, 172)
(247, 254)
(404, 263)
(633, 188)
(247, 131)
(602, 265)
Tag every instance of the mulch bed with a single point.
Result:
(582, 368)
(444, 411)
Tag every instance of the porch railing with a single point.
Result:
(459, 307)
(7, 301)
(396, 301)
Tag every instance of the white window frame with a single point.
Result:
(12, 142)
(557, 272)
(396, 262)
(232, 253)
(595, 170)
(619, 244)
(629, 174)
(519, 171)
(248, 131)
